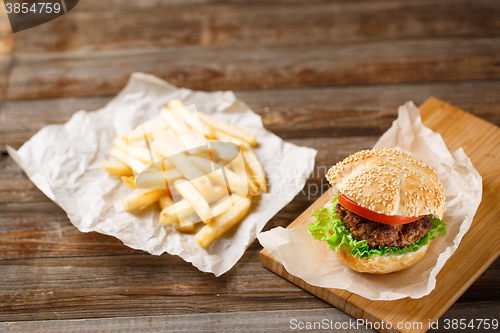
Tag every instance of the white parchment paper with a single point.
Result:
(64, 161)
(315, 263)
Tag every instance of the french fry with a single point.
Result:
(184, 225)
(191, 137)
(137, 133)
(136, 165)
(175, 104)
(157, 179)
(238, 164)
(235, 182)
(224, 137)
(179, 210)
(239, 168)
(166, 163)
(218, 193)
(174, 121)
(200, 205)
(224, 150)
(248, 137)
(189, 118)
(139, 153)
(141, 199)
(256, 169)
(193, 141)
(130, 181)
(223, 223)
(253, 187)
(167, 143)
(225, 204)
(168, 149)
(207, 130)
(183, 208)
(165, 202)
(117, 168)
(158, 157)
(203, 153)
(172, 175)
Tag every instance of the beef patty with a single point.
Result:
(380, 234)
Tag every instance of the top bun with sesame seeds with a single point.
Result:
(389, 182)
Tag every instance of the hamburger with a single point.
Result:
(388, 209)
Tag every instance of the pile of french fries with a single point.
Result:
(191, 185)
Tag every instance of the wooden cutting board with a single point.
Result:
(481, 142)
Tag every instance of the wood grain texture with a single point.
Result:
(481, 142)
(41, 248)
(235, 67)
(255, 44)
(20, 120)
(139, 285)
(6, 51)
(143, 25)
(262, 321)
(340, 68)
(311, 112)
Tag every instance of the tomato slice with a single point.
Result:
(371, 215)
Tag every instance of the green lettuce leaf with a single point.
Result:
(329, 227)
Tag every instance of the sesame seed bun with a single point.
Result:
(385, 264)
(389, 182)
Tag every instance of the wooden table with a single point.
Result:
(324, 74)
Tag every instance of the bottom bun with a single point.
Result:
(387, 263)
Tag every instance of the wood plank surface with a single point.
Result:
(327, 74)
(150, 25)
(311, 112)
(34, 230)
(6, 51)
(257, 67)
(481, 142)
(263, 321)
